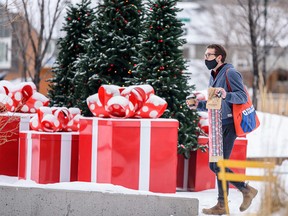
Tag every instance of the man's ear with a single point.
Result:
(219, 58)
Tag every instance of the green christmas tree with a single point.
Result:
(118, 25)
(78, 21)
(87, 81)
(111, 48)
(161, 64)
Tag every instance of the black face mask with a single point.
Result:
(211, 64)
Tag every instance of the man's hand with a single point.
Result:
(220, 92)
(192, 103)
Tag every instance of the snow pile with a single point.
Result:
(270, 139)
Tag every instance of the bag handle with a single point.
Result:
(227, 81)
(229, 86)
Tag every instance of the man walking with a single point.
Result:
(215, 56)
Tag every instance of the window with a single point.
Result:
(242, 63)
(5, 29)
(186, 52)
(50, 55)
(240, 59)
(5, 53)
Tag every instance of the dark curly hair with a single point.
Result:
(219, 50)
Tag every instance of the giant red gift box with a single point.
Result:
(139, 154)
(194, 174)
(48, 157)
(10, 125)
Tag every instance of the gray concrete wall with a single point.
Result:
(24, 201)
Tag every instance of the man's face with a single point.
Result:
(210, 54)
(212, 60)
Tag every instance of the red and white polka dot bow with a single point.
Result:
(22, 97)
(126, 102)
(54, 119)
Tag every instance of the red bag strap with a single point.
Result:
(228, 84)
(227, 81)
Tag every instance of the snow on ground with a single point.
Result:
(270, 139)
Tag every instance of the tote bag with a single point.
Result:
(244, 115)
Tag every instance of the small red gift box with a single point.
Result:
(139, 154)
(10, 125)
(194, 174)
(48, 157)
(239, 152)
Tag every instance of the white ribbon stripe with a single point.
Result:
(65, 157)
(94, 153)
(144, 163)
(29, 156)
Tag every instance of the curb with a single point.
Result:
(30, 201)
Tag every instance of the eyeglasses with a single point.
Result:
(207, 55)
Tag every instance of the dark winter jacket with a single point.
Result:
(236, 96)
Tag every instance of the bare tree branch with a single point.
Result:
(35, 37)
(29, 26)
(253, 26)
(56, 15)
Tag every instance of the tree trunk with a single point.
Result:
(264, 68)
(253, 38)
(37, 69)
